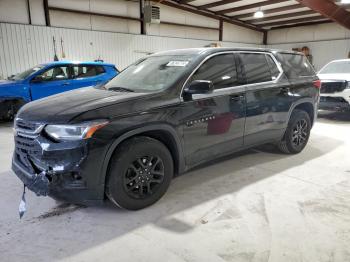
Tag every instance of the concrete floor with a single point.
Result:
(254, 206)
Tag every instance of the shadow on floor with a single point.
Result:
(337, 117)
(225, 176)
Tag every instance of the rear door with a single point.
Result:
(268, 97)
(214, 123)
(54, 80)
(88, 75)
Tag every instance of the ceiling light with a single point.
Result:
(345, 1)
(259, 14)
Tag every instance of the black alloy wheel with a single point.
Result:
(140, 172)
(297, 133)
(143, 176)
(300, 133)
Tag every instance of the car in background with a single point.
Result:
(48, 79)
(335, 86)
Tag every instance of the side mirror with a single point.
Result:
(199, 87)
(37, 79)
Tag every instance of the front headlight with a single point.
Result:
(74, 132)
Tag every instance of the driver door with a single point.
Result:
(214, 122)
(52, 81)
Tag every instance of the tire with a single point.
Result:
(9, 109)
(139, 174)
(297, 134)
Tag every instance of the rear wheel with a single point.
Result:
(140, 173)
(297, 133)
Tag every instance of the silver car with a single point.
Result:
(335, 87)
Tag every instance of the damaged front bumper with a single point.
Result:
(61, 170)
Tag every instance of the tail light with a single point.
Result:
(317, 84)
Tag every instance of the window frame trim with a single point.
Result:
(52, 67)
(240, 88)
(86, 65)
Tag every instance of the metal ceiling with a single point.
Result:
(277, 13)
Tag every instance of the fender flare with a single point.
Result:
(156, 127)
(307, 100)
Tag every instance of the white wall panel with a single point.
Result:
(182, 31)
(82, 5)
(14, 11)
(70, 20)
(37, 12)
(308, 33)
(240, 34)
(23, 46)
(170, 14)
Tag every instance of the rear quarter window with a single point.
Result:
(296, 66)
(82, 71)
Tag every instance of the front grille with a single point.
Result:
(26, 126)
(329, 87)
(26, 145)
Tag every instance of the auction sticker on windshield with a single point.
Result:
(177, 63)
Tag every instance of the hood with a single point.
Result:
(5, 82)
(334, 77)
(61, 108)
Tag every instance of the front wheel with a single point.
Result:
(140, 173)
(297, 133)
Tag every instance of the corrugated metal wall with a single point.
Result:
(23, 46)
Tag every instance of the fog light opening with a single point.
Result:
(76, 176)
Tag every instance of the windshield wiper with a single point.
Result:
(122, 89)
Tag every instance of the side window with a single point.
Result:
(256, 67)
(296, 66)
(55, 74)
(220, 69)
(273, 67)
(99, 70)
(81, 71)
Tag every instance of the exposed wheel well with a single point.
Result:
(308, 108)
(164, 137)
(10, 106)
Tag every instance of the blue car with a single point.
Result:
(49, 79)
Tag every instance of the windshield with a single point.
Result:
(339, 67)
(27, 73)
(150, 74)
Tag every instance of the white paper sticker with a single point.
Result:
(177, 63)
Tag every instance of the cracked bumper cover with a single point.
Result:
(60, 170)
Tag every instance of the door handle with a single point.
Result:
(237, 97)
(284, 89)
(65, 84)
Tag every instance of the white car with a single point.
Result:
(335, 87)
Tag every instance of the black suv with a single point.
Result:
(161, 116)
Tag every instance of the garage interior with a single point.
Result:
(257, 205)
